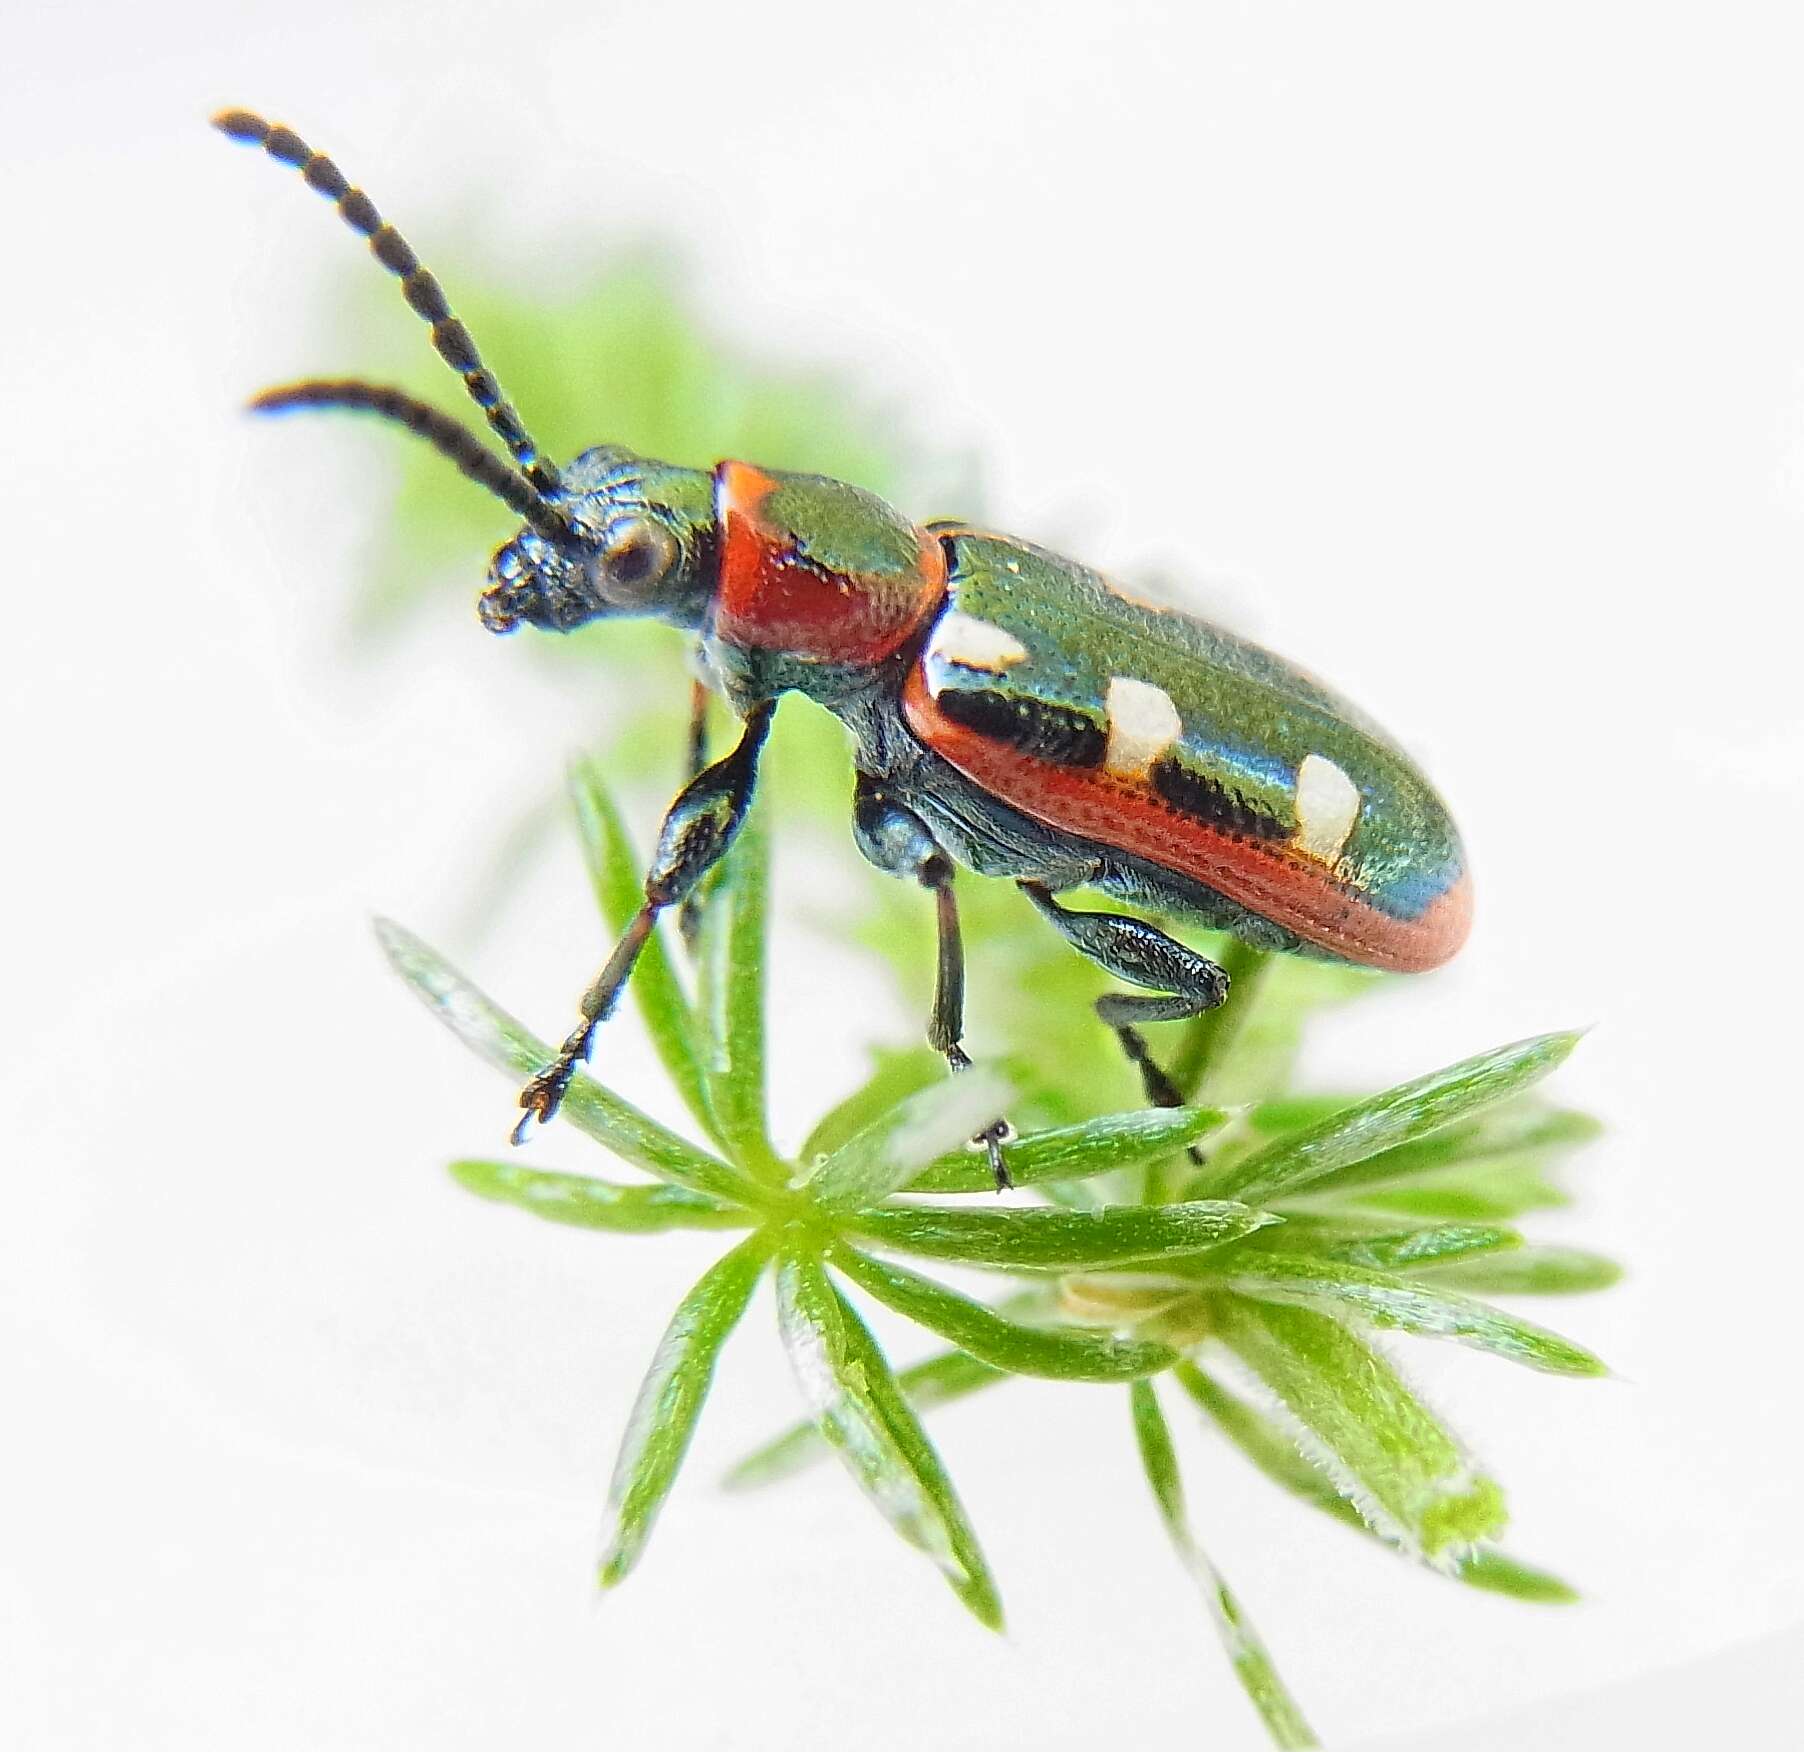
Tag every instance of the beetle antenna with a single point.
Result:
(418, 287)
(450, 438)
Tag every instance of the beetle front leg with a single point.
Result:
(698, 829)
(1133, 950)
(898, 843)
(689, 914)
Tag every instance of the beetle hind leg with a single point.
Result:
(1183, 983)
(898, 843)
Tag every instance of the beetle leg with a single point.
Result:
(698, 828)
(699, 692)
(898, 842)
(689, 914)
(1133, 950)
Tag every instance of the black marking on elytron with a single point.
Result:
(1060, 734)
(1209, 801)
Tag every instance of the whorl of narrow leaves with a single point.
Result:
(1314, 1222)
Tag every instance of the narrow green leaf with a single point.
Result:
(1273, 1452)
(860, 1409)
(670, 1400)
(732, 965)
(495, 1036)
(1522, 1130)
(618, 878)
(1381, 1299)
(939, 1380)
(1491, 1189)
(897, 1145)
(896, 1074)
(1367, 1242)
(1283, 1114)
(1055, 1240)
(1062, 1353)
(1413, 1248)
(1499, 1573)
(596, 1204)
(1530, 1271)
(1078, 1152)
(1381, 1446)
(1252, 1665)
(1525, 1122)
(1399, 1115)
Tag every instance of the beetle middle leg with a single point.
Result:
(898, 843)
(698, 829)
(1135, 951)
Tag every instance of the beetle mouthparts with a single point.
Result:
(498, 610)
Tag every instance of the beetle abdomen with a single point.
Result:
(819, 570)
(1154, 733)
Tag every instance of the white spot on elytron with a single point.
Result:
(1143, 723)
(1327, 807)
(975, 644)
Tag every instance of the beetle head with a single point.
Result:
(631, 537)
(613, 534)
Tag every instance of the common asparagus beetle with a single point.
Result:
(1008, 708)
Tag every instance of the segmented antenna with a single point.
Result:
(418, 287)
(451, 439)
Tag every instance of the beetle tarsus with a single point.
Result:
(1161, 1091)
(542, 1097)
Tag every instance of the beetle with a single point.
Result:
(1010, 710)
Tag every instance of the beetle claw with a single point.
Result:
(541, 1098)
(992, 1138)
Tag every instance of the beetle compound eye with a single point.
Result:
(638, 556)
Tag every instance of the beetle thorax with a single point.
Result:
(818, 570)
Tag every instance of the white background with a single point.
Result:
(1457, 351)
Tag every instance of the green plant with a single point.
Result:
(1312, 1221)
